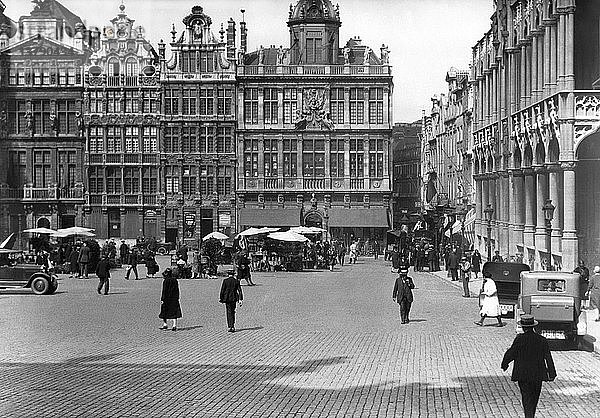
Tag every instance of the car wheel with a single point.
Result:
(40, 285)
(161, 250)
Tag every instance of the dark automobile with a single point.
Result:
(28, 276)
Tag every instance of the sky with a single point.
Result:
(425, 37)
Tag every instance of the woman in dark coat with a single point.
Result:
(73, 265)
(151, 264)
(170, 308)
(476, 262)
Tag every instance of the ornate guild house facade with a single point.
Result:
(314, 130)
(536, 122)
(41, 124)
(122, 107)
(198, 126)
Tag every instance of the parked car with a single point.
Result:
(28, 276)
(507, 277)
(554, 299)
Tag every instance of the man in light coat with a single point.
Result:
(488, 300)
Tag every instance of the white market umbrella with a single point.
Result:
(65, 234)
(215, 235)
(256, 231)
(288, 236)
(40, 231)
(75, 230)
(307, 230)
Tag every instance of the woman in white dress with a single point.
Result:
(488, 300)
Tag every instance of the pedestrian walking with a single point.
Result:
(74, 263)
(584, 278)
(103, 273)
(465, 271)
(353, 253)
(83, 260)
(243, 269)
(476, 263)
(151, 265)
(453, 265)
(488, 300)
(341, 254)
(403, 294)
(133, 262)
(124, 252)
(376, 249)
(231, 294)
(594, 291)
(170, 307)
(533, 364)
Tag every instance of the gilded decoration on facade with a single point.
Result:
(314, 114)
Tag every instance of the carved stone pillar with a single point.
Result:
(569, 241)
(530, 200)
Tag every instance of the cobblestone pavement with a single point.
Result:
(308, 344)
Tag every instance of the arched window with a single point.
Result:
(131, 67)
(114, 68)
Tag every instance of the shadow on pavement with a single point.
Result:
(248, 329)
(102, 383)
(189, 328)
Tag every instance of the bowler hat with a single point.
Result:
(527, 321)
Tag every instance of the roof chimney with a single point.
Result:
(231, 39)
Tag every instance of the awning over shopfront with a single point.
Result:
(358, 217)
(280, 217)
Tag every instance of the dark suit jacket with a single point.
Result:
(453, 261)
(231, 291)
(84, 255)
(533, 361)
(103, 269)
(403, 289)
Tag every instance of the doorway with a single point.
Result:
(114, 223)
(171, 235)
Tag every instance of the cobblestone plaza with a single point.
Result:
(310, 344)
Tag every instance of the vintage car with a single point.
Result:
(28, 276)
(507, 277)
(554, 299)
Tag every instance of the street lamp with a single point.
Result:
(548, 209)
(489, 212)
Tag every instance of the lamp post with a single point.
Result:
(489, 212)
(548, 209)
(462, 214)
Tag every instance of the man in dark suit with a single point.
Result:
(403, 294)
(133, 262)
(231, 293)
(533, 364)
(84, 260)
(103, 273)
(453, 262)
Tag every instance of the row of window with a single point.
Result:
(199, 101)
(116, 139)
(126, 180)
(204, 139)
(204, 179)
(337, 105)
(313, 158)
(45, 170)
(128, 101)
(40, 117)
(43, 74)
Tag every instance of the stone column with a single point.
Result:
(506, 200)
(554, 195)
(569, 51)
(519, 206)
(479, 205)
(485, 201)
(562, 24)
(492, 199)
(523, 93)
(529, 230)
(540, 227)
(547, 49)
(554, 60)
(534, 70)
(569, 241)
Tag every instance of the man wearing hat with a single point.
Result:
(231, 293)
(403, 294)
(533, 364)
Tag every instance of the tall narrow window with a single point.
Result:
(190, 174)
(357, 158)
(270, 157)
(224, 140)
(224, 102)
(96, 177)
(376, 158)
(224, 176)
(290, 105)
(67, 168)
(171, 101)
(17, 169)
(251, 157)
(66, 116)
(131, 180)
(313, 157)
(171, 144)
(251, 105)
(114, 67)
(41, 116)
(149, 180)
(337, 157)
(113, 180)
(95, 102)
(207, 179)
(336, 96)
(132, 139)
(42, 168)
(113, 99)
(207, 62)
(207, 101)
(149, 140)
(113, 139)
(150, 101)
(290, 158)
(16, 116)
(132, 101)
(189, 139)
(207, 139)
(96, 139)
(314, 47)
(376, 105)
(131, 67)
(271, 106)
(189, 101)
(172, 178)
(357, 106)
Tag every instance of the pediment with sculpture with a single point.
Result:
(315, 111)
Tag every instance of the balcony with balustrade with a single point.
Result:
(289, 184)
(122, 80)
(123, 200)
(314, 70)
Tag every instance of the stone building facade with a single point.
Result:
(41, 123)
(197, 147)
(406, 161)
(122, 108)
(314, 130)
(446, 139)
(536, 124)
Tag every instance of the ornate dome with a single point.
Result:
(314, 10)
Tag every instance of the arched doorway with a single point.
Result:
(587, 193)
(313, 219)
(43, 223)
